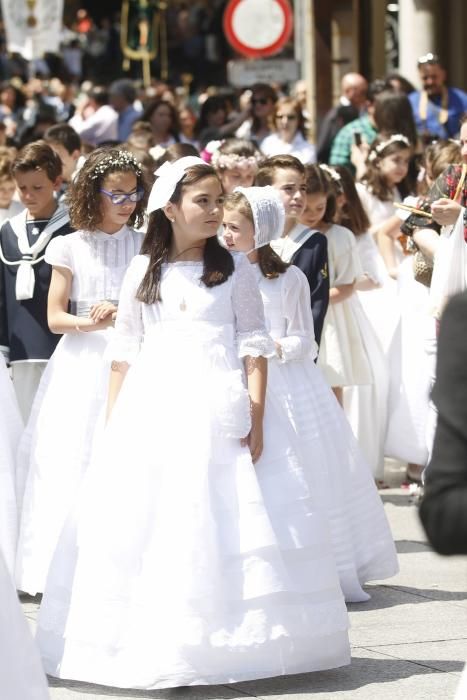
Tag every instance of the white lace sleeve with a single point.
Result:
(252, 337)
(129, 329)
(58, 253)
(296, 307)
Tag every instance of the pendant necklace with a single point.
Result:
(182, 305)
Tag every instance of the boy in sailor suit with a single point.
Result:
(302, 246)
(25, 338)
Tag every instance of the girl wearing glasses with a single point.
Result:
(290, 136)
(106, 199)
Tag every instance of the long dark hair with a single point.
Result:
(150, 108)
(218, 263)
(393, 115)
(317, 181)
(353, 215)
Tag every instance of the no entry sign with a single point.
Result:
(257, 28)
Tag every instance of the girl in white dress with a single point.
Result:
(180, 576)
(343, 357)
(321, 455)
(384, 184)
(400, 309)
(11, 426)
(88, 268)
(365, 405)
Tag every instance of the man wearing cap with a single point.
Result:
(437, 108)
(122, 98)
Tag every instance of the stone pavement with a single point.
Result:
(408, 641)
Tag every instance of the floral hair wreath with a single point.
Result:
(333, 174)
(124, 159)
(228, 162)
(394, 138)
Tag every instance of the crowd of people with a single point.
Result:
(214, 332)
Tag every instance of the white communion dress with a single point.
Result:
(173, 572)
(11, 426)
(21, 674)
(55, 448)
(321, 451)
(343, 356)
(410, 372)
(382, 306)
(366, 406)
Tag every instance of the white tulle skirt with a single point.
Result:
(366, 407)
(10, 432)
(55, 448)
(172, 570)
(320, 451)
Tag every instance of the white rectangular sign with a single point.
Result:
(265, 70)
(33, 32)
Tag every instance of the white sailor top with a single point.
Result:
(24, 286)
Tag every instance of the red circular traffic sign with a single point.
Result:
(257, 28)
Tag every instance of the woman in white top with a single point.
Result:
(87, 272)
(289, 136)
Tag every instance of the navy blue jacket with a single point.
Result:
(312, 259)
(23, 324)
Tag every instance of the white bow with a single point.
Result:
(168, 177)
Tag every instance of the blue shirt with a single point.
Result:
(457, 105)
(126, 120)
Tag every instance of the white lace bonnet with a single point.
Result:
(268, 213)
(168, 177)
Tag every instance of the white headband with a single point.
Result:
(395, 138)
(168, 177)
(333, 174)
(268, 213)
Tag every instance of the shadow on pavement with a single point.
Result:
(184, 693)
(361, 672)
(386, 596)
(412, 546)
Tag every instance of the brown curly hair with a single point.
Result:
(84, 193)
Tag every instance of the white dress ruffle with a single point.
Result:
(171, 570)
(11, 427)
(320, 453)
(56, 445)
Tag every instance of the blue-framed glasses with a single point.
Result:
(119, 198)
